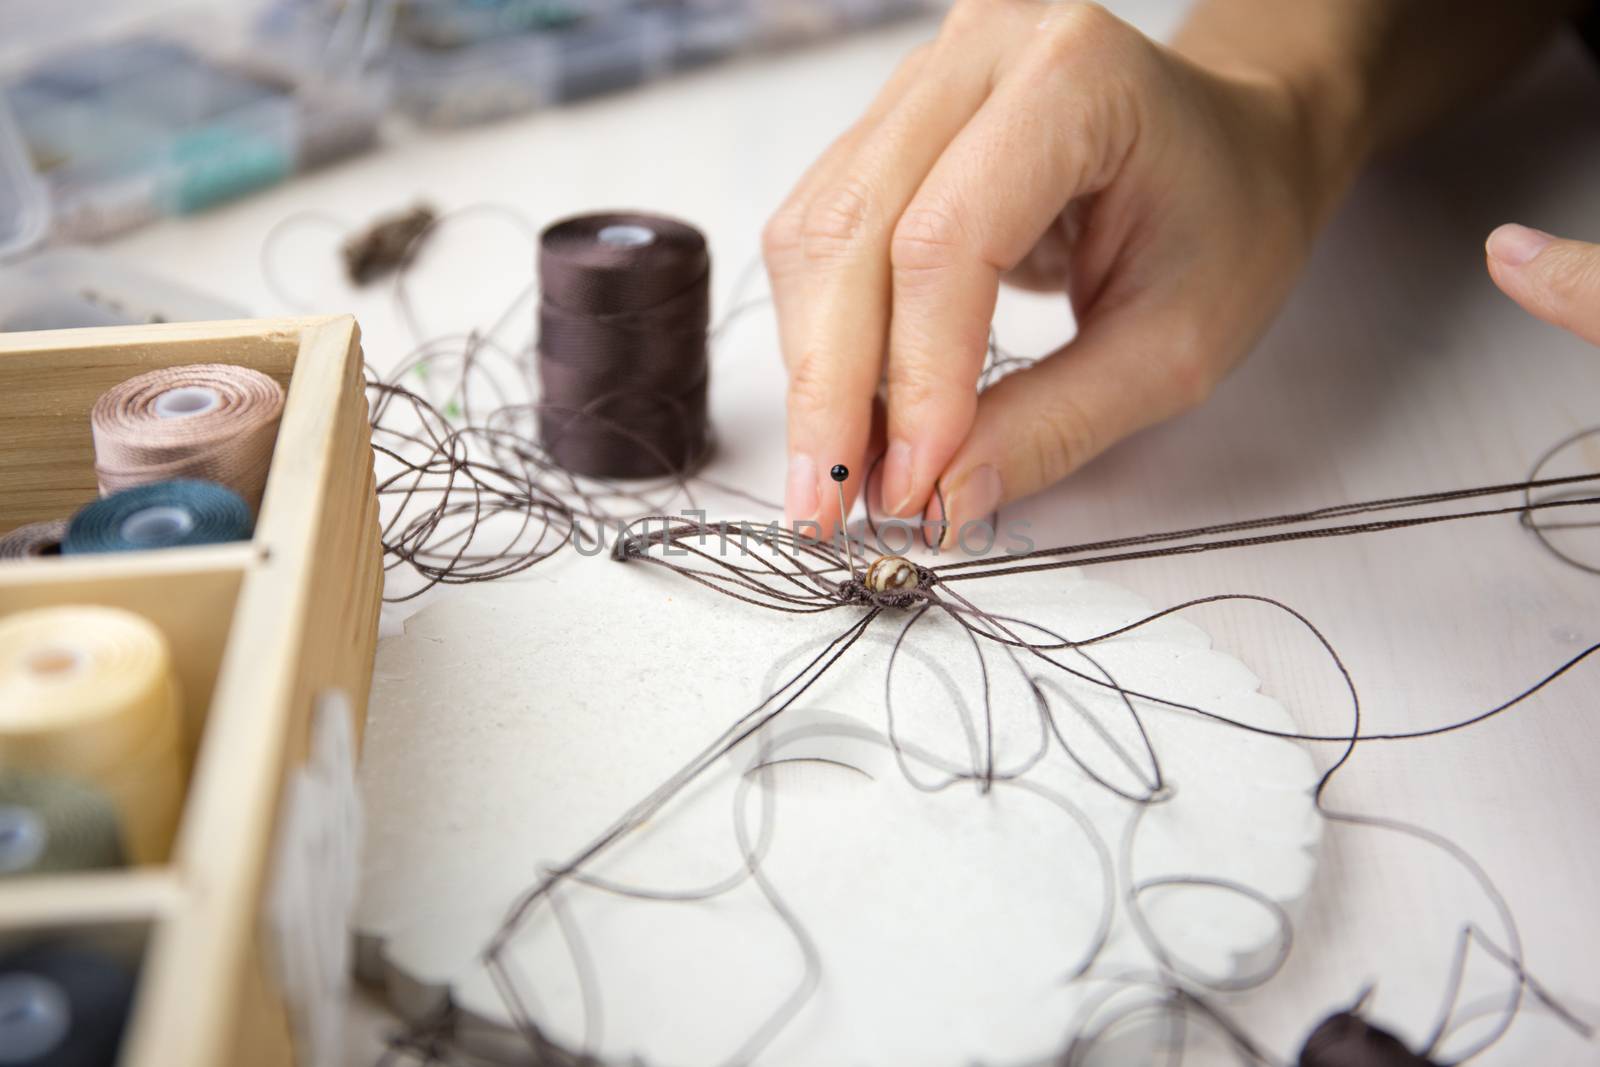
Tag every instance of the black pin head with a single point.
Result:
(839, 473)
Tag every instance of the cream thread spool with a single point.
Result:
(207, 421)
(87, 693)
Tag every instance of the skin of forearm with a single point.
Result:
(1364, 74)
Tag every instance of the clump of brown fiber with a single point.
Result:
(386, 245)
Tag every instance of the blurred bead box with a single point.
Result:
(457, 62)
(49, 288)
(175, 117)
(261, 632)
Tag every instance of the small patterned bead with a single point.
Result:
(892, 574)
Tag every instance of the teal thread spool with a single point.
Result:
(52, 824)
(159, 515)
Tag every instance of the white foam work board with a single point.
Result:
(511, 724)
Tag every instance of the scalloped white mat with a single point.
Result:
(511, 724)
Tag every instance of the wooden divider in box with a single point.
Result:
(257, 629)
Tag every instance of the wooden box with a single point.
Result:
(258, 629)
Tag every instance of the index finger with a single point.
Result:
(837, 328)
(1054, 129)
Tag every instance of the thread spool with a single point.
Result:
(49, 823)
(88, 694)
(34, 540)
(208, 421)
(1344, 1039)
(624, 310)
(161, 515)
(62, 1006)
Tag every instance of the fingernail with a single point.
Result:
(974, 498)
(1515, 245)
(933, 519)
(897, 478)
(800, 499)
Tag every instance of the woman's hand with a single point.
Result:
(1557, 280)
(1053, 146)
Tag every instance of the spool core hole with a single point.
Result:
(156, 526)
(186, 400)
(54, 662)
(35, 1018)
(626, 235)
(23, 839)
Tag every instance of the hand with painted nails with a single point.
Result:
(1555, 279)
(1172, 193)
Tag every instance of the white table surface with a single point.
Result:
(1397, 367)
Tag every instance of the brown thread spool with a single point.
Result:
(34, 540)
(623, 317)
(208, 421)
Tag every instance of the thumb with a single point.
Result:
(1555, 279)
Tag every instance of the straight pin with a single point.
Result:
(839, 473)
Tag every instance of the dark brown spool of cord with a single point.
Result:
(34, 540)
(1347, 1040)
(624, 310)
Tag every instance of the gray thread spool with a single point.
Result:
(50, 824)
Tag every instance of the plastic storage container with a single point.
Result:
(456, 62)
(521, 71)
(136, 128)
(64, 287)
(453, 24)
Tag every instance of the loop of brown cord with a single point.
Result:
(622, 347)
(231, 444)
